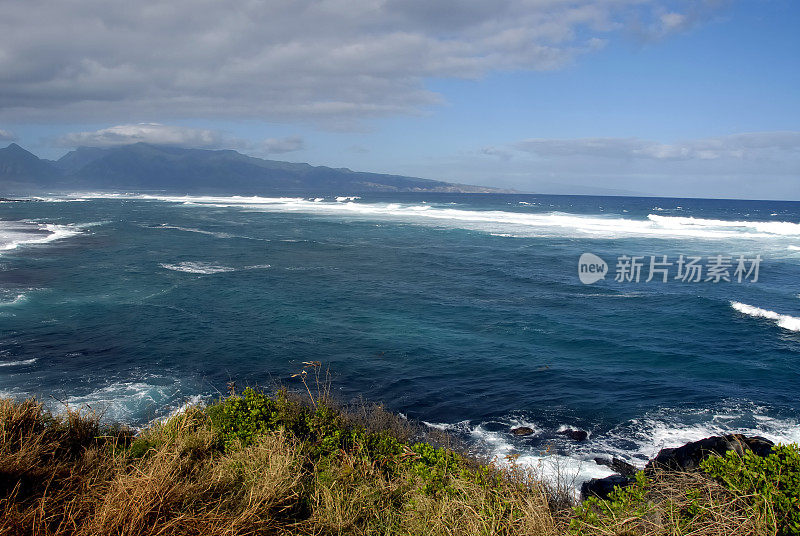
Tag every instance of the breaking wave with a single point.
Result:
(565, 462)
(514, 223)
(14, 234)
(204, 268)
(198, 267)
(30, 361)
(787, 322)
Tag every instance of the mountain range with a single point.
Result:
(143, 167)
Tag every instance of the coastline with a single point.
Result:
(299, 465)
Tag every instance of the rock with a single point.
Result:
(576, 435)
(689, 456)
(522, 431)
(620, 466)
(602, 487)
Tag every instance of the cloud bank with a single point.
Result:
(177, 136)
(330, 61)
(282, 145)
(736, 146)
(154, 133)
(750, 165)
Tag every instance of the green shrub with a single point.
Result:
(239, 419)
(140, 447)
(772, 482)
(624, 502)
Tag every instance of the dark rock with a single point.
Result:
(689, 456)
(522, 431)
(602, 487)
(620, 466)
(576, 435)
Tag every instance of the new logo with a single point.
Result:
(591, 268)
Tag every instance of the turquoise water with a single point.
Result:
(464, 311)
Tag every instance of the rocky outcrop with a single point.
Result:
(602, 487)
(685, 458)
(522, 431)
(620, 466)
(575, 435)
(689, 456)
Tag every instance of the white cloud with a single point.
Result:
(154, 133)
(329, 61)
(666, 22)
(500, 152)
(7, 135)
(737, 146)
(282, 145)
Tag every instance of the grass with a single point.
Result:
(257, 464)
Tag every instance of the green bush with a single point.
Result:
(624, 502)
(140, 447)
(324, 433)
(241, 418)
(772, 482)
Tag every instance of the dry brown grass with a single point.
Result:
(71, 476)
(683, 503)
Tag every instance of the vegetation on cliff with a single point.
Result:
(257, 464)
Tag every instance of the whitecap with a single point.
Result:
(195, 230)
(529, 224)
(30, 361)
(787, 322)
(191, 267)
(20, 298)
(14, 234)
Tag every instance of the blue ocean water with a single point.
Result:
(463, 311)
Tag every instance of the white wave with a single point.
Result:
(59, 199)
(14, 234)
(439, 425)
(563, 470)
(130, 401)
(30, 361)
(569, 464)
(517, 223)
(120, 401)
(192, 401)
(777, 228)
(20, 298)
(640, 440)
(197, 267)
(194, 230)
(787, 322)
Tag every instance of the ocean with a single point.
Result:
(463, 311)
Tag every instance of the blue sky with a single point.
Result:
(579, 96)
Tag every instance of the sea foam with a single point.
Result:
(30, 361)
(787, 322)
(14, 234)
(513, 223)
(197, 267)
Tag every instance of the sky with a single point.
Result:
(682, 98)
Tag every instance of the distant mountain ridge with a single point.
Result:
(142, 166)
